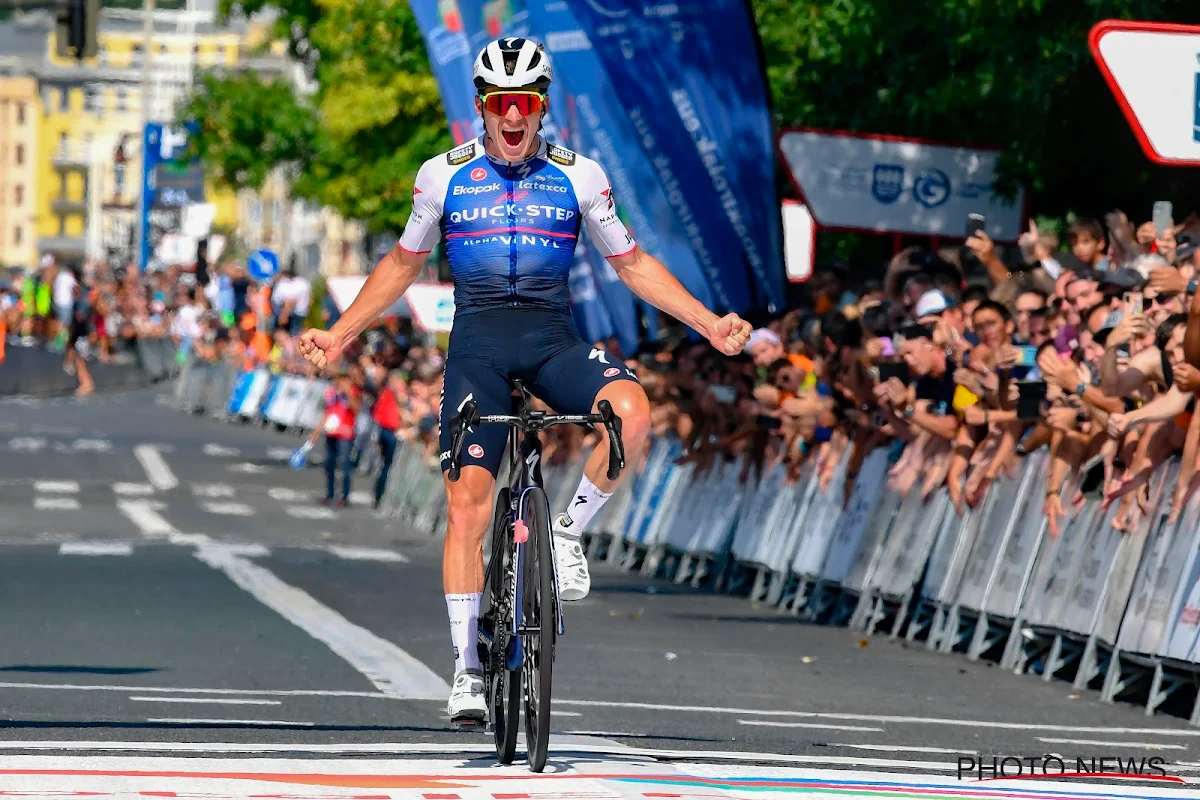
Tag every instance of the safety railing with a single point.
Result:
(1115, 611)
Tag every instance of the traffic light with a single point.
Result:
(76, 30)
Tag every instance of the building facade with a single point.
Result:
(20, 112)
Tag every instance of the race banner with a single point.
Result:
(450, 58)
(679, 78)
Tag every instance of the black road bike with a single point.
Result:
(521, 614)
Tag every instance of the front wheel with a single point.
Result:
(503, 687)
(539, 627)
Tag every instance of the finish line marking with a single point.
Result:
(157, 471)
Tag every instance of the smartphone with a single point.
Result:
(889, 370)
(975, 224)
(1026, 356)
(1030, 395)
(725, 395)
(1162, 216)
(1133, 302)
(767, 422)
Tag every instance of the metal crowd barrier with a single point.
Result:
(1114, 611)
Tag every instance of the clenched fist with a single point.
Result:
(319, 348)
(729, 334)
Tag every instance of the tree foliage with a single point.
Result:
(356, 143)
(1016, 75)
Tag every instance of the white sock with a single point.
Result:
(584, 504)
(464, 624)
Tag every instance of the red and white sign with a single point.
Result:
(475, 451)
(478, 174)
(799, 241)
(1153, 70)
(881, 183)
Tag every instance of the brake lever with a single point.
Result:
(466, 417)
(616, 449)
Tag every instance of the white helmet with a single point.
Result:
(512, 63)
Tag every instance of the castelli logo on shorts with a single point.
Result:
(608, 373)
(476, 451)
(478, 174)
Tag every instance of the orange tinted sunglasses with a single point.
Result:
(526, 102)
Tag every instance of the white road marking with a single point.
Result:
(133, 489)
(83, 687)
(29, 443)
(248, 468)
(286, 495)
(365, 553)
(558, 713)
(212, 490)
(964, 723)
(362, 498)
(1139, 745)
(56, 503)
(279, 453)
(232, 701)
(246, 549)
(195, 539)
(260, 723)
(56, 487)
(392, 670)
(95, 445)
(766, 723)
(143, 514)
(156, 467)
(228, 509)
(221, 450)
(95, 549)
(310, 512)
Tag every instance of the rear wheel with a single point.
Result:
(539, 627)
(503, 687)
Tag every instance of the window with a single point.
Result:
(93, 100)
(20, 154)
(19, 194)
(62, 143)
(17, 235)
(64, 99)
(20, 113)
(120, 99)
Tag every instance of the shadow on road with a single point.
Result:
(72, 669)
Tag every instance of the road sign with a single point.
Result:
(882, 183)
(1153, 70)
(262, 265)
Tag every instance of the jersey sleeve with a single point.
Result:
(424, 223)
(599, 208)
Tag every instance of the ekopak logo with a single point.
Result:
(491, 187)
(478, 174)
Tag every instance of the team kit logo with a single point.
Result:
(478, 174)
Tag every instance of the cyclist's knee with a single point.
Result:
(629, 402)
(469, 502)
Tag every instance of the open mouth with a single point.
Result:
(513, 137)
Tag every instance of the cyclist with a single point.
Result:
(509, 207)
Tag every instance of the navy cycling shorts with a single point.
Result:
(541, 348)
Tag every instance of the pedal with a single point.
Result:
(469, 724)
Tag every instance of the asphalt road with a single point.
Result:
(167, 582)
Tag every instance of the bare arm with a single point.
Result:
(650, 280)
(390, 279)
(1163, 407)
(1191, 338)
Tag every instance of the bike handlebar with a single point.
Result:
(468, 416)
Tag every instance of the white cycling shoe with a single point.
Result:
(574, 581)
(468, 700)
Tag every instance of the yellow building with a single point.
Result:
(20, 112)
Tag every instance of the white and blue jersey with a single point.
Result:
(510, 233)
(510, 229)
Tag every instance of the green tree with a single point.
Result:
(1016, 75)
(354, 144)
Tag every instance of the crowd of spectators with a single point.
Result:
(963, 361)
